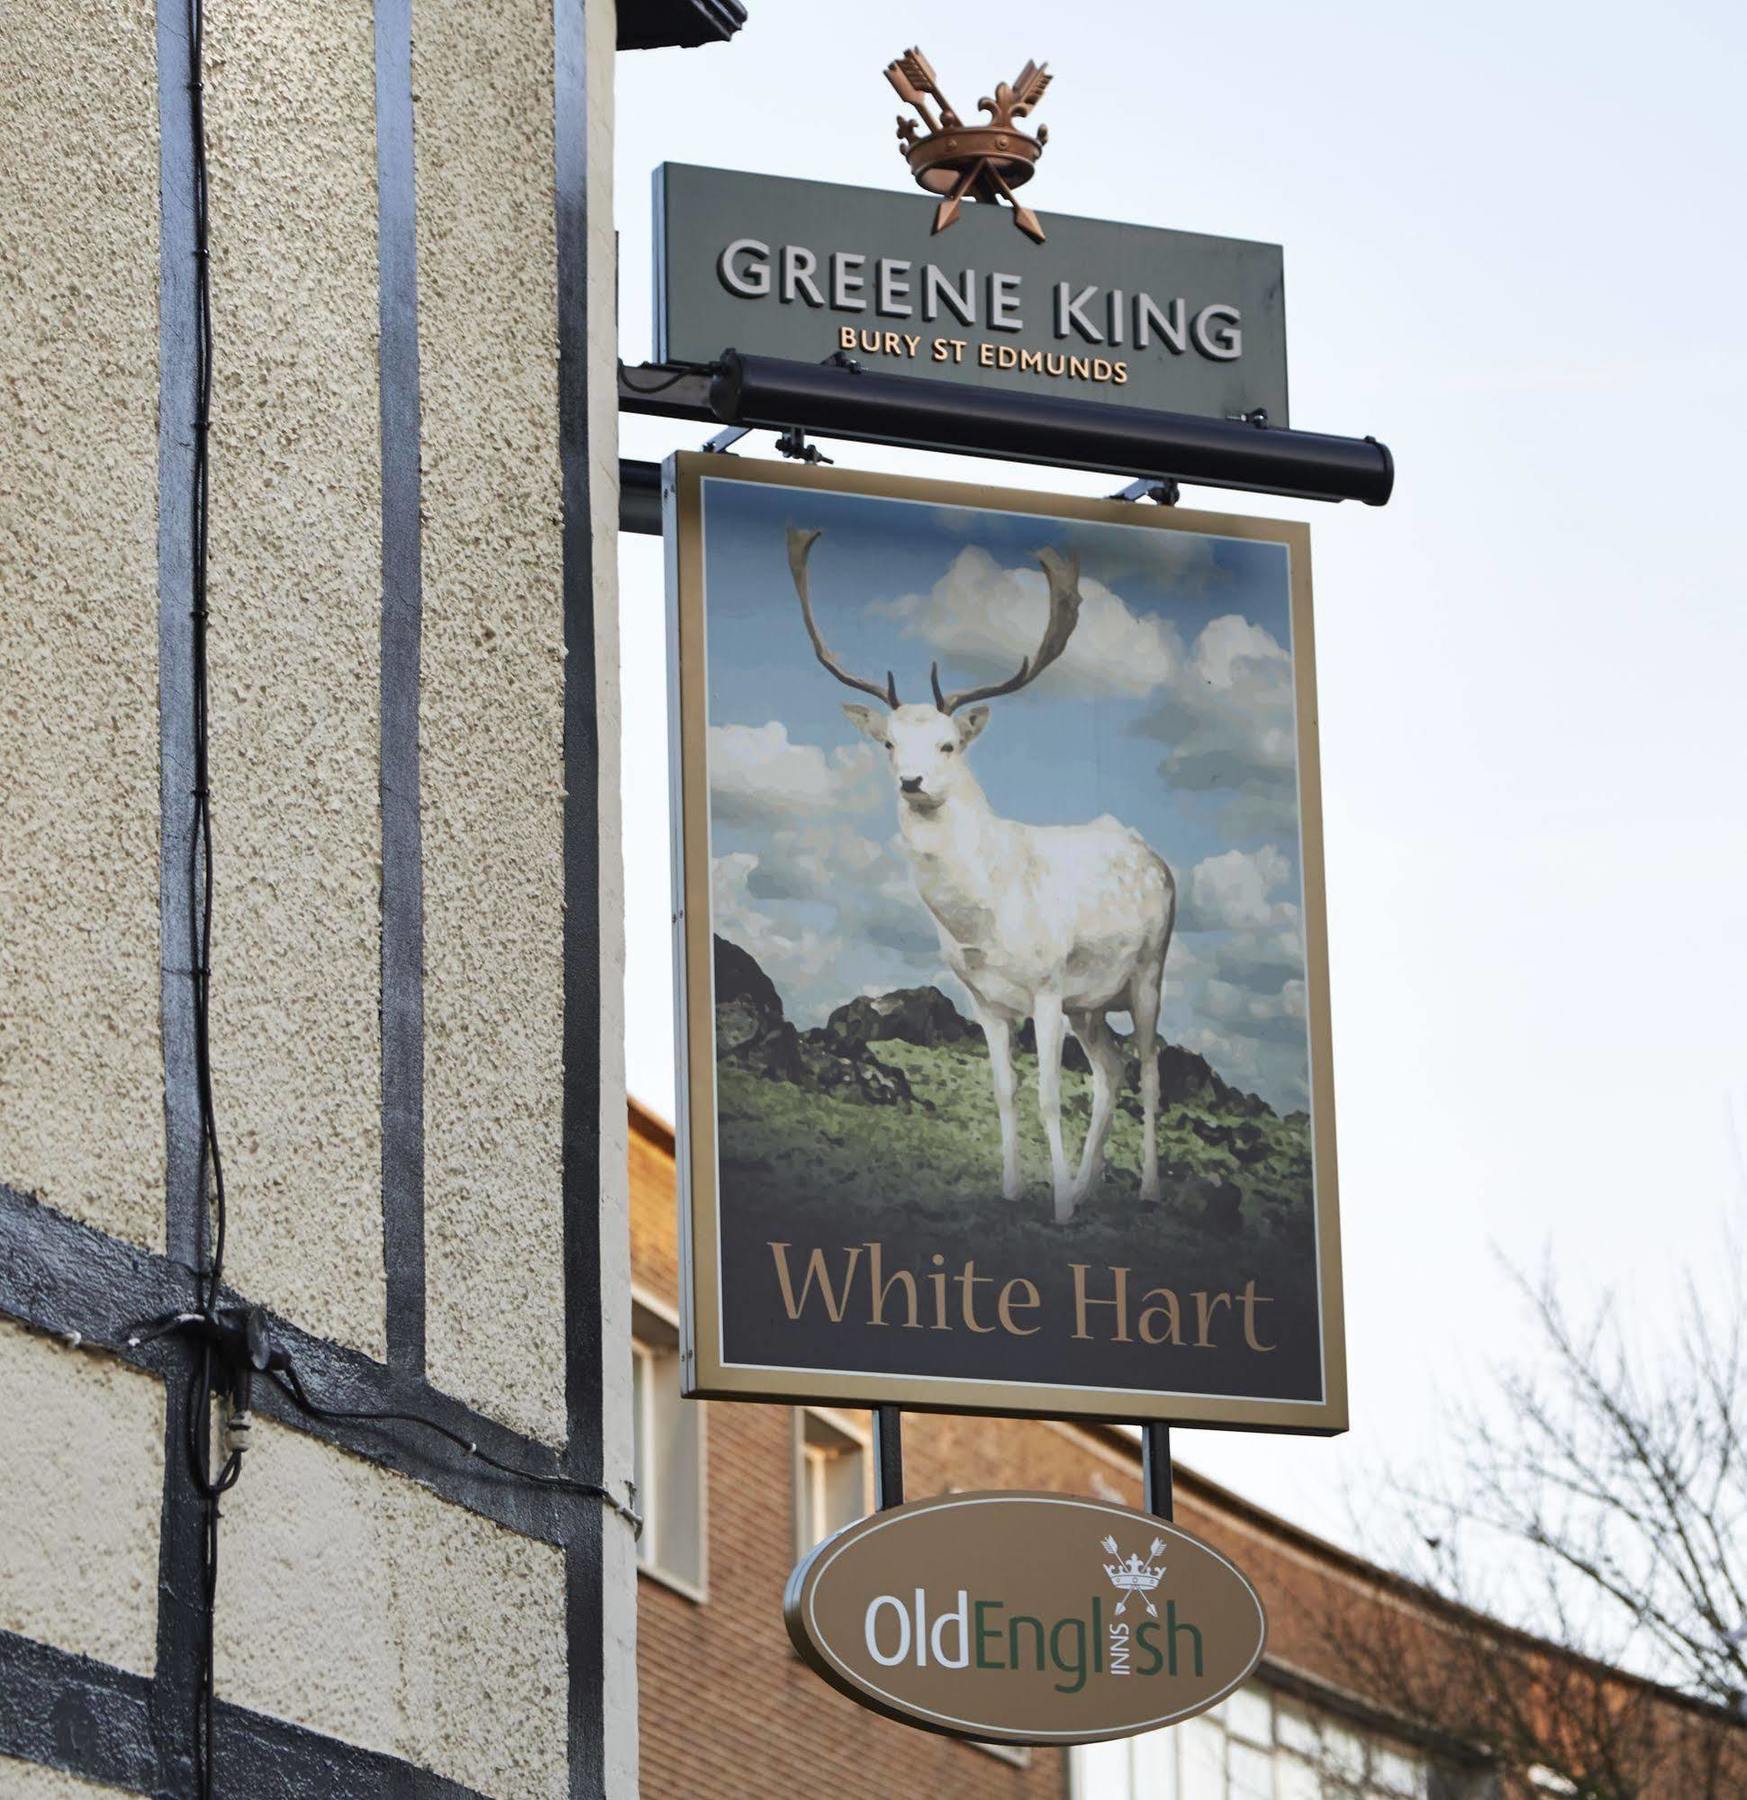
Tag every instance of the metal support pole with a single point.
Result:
(1155, 1462)
(888, 1457)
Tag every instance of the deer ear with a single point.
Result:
(971, 722)
(866, 718)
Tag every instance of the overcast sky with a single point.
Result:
(1514, 252)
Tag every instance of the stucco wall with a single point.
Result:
(31, 1781)
(352, 1601)
(80, 1457)
(81, 1115)
(358, 1603)
(491, 722)
(295, 590)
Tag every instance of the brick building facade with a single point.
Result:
(727, 1709)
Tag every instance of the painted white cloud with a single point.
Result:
(1183, 560)
(1230, 649)
(1258, 1014)
(827, 910)
(1227, 719)
(819, 861)
(793, 957)
(759, 777)
(864, 882)
(1235, 890)
(1234, 982)
(983, 620)
(1276, 1071)
(1259, 959)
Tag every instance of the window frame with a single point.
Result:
(655, 1347)
(800, 1476)
(1327, 1724)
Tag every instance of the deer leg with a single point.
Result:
(1106, 1061)
(1144, 1000)
(998, 1033)
(1051, 1027)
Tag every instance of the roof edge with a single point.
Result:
(650, 1125)
(678, 24)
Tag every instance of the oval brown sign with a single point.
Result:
(1025, 1618)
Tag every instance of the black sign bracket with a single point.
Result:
(888, 1451)
(841, 400)
(1155, 1463)
(888, 1429)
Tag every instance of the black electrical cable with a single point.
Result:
(291, 1384)
(210, 1186)
(210, 1176)
(659, 387)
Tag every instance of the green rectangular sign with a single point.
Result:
(1125, 314)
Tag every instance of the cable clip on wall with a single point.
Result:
(239, 1341)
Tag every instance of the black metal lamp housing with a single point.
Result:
(843, 400)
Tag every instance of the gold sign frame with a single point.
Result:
(706, 1373)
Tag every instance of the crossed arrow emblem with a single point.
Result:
(956, 160)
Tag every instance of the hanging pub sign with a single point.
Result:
(1123, 314)
(1025, 1618)
(1003, 1018)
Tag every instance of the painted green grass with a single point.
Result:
(933, 1167)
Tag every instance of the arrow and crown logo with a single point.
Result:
(1131, 1576)
(956, 160)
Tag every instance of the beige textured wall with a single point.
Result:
(81, 1083)
(31, 1781)
(375, 1612)
(370, 1609)
(296, 603)
(80, 1461)
(491, 726)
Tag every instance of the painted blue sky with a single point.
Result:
(1172, 709)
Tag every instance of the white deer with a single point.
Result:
(1056, 923)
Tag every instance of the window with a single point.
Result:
(1253, 1746)
(833, 1476)
(668, 1454)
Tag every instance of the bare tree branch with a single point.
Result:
(1605, 1486)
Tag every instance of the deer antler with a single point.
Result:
(800, 548)
(1063, 573)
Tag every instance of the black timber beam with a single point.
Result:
(74, 1282)
(94, 1721)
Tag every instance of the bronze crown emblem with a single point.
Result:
(953, 159)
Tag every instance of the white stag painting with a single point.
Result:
(1058, 924)
(1001, 985)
